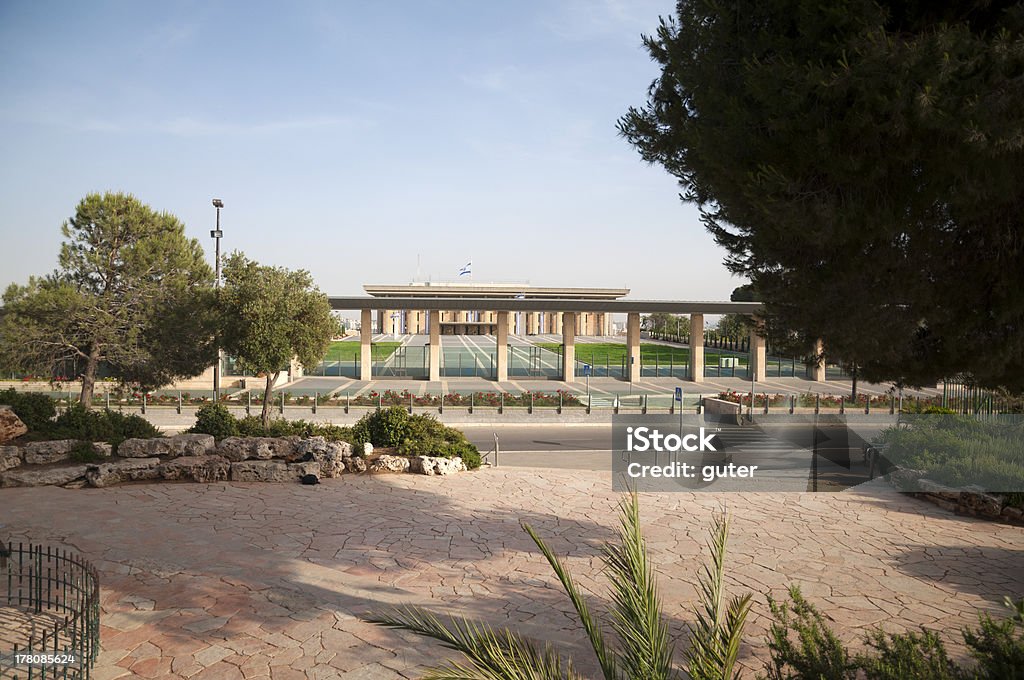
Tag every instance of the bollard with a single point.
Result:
(440, 409)
(281, 408)
(179, 402)
(766, 403)
(108, 401)
(792, 404)
(892, 405)
(842, 404)
(143, 403)
(559, 403)
(380, 400)
(817, 403)
(348, 400)
(867, 406)
(248, 403)
(501, 403)
(316, 396)
(589, 398)
(531, 403)
(470, 402)
(410, 402)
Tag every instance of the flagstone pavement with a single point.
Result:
(236, 580)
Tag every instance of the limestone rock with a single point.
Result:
(330, 455)
(260, 471)
(143, 448)
(431, 465)
(355, 464)
(126, 470)
(11, 426)
(103, 449)
(255, 448)
(389, 464)
(41, 453)
(44, 477)
(197, 468)
(190, 444)
(10, 457)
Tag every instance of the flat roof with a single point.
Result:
(484, 304)
(469, 289)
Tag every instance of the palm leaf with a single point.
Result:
(493, 654)
(637, 614)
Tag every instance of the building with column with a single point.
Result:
(399, 320)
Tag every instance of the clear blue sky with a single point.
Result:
(349, 138)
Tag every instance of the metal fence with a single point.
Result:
(51, 601)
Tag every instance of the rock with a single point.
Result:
(10, 457)
(389, 464)
(310, 479)
(1013, 514)
(259, 448)
(197, 468)
(190, 444)
(330, 455)
(11, 426)
(41, 453)
(44, 477)
(271, 471)
(938, 490)
(905, 479)
(103, 449)
(432, 465)
(126, 470)
(978, 502)
(367, 449)
(355, 464)
(178, 445)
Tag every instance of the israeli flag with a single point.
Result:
(467, 270)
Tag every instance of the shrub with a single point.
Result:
(802, 647)
(85, 453)
(34, 409)
(215, 419)
(101, 426)
(385, 427)
(425, 436)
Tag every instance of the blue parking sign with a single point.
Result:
(586, 370)
(679, 394)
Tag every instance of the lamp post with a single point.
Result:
(216, 235)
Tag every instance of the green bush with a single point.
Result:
(215, 419)
(803, 647)
(384, 427)
(34, 409)
(85, 453)
(100, 426)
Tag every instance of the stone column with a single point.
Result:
(501, 346)
(569, 347)
(818, 368)
(435, 345)
(557, 319)
(758, 354)
(697, 348)
(633, 346)
(365, 335)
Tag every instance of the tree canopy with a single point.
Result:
(132, 293)
(271, 315)
(862, 163)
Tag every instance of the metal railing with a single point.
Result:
(56, 595)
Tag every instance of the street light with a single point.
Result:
(216, 235)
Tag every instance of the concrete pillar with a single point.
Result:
(758, 354)
(697, 348)
(818, 368)
(633, 346)
(501, 346)
(435, 345)
(557, 318)
(365, 335)
(569, 347)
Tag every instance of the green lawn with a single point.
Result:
(614, 353)
(349, 350)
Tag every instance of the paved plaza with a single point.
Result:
(238, 580)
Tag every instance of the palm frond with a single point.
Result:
(606, 657)
(493, 654)
(718, 628)
(637, 615)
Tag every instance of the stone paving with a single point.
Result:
(249, 581)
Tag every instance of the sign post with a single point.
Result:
(586, 372)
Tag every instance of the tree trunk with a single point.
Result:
(271, 379)
(89, 378)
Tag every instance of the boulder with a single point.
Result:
(389, 464)
(330, 455)
(431, 465)
(197, 468)
(103, 448)
(255, 448)
(41, 453)
(178, 445)
(11, 426)
(10, 457)
(125, 470)
(271, 471)
(45, 477)
(355, 464)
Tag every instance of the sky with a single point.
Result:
(364, 142)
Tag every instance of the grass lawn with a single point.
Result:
(614, 353)
(347, 350)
